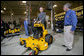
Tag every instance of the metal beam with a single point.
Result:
(51, 15)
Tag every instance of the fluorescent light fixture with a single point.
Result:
(23, 1)
(54, 6)
(2, 11)
(25, 12)
(11, 13)
(4, 8)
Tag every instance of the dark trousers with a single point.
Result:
(45, 24)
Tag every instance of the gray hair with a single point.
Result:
(68, 5)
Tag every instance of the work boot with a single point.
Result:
(64, 46)
(68, 49)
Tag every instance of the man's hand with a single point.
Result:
(35, 22)
(72, 32)
(39, 21)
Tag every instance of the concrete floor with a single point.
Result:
(10, 46)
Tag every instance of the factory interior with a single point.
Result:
(40, 40)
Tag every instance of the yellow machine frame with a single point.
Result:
(11, 31)
(33, 43)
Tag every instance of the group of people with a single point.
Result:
(41, 18)
(70, 22)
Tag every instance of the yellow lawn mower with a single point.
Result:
(12, 31)
(39, 41)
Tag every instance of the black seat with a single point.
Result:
(37, 32)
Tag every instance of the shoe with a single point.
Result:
(64, 46)
(68, 49)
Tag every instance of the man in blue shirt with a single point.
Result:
(70, 22)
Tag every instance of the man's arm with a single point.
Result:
(74, 20)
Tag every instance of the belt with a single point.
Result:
(67, 25)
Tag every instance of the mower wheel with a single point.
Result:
(29, 48)
(49, 39)
(35, 51)
(22, 42)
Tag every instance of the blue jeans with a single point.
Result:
(26, 28)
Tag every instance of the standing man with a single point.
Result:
(41, 17)
(70, 22)
(26, 26)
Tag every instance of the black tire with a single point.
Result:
(23, 41)
(33, 51)
(49, 39)
(20, 43)
(25, 45)
(29, 48)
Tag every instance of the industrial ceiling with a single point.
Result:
(18, 8)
